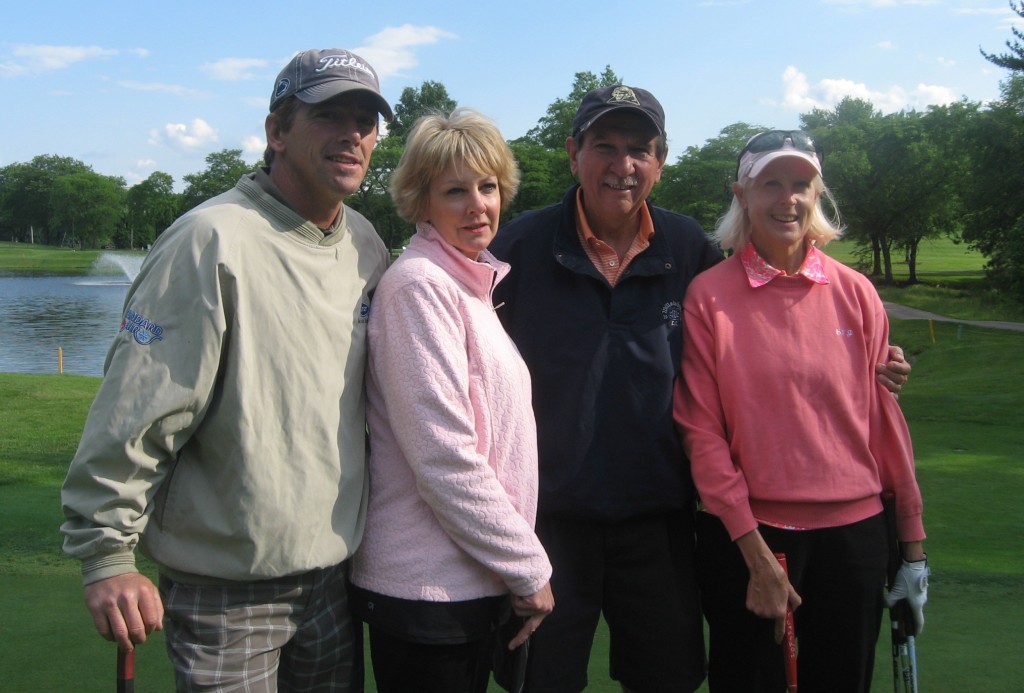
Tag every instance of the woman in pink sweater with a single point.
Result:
(453, 442)
(792, 441)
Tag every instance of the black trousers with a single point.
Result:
(403, 666)
(839, 573)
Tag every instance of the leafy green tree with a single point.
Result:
(892, 176)
(1014, 58)
(544, 177)
(555, 126)
(994, 224)
(152, 207)
(25, 201)
(431, 97)
(223, 169)
(87, 207)
(700, 182)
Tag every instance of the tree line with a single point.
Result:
(899, 178)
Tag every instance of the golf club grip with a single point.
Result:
(125, 671)
(789, 637)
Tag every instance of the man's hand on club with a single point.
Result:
(911, 584)
(125, 608)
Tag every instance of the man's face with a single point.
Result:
(325, 154)
(617, 164)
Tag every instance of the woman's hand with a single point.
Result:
(769, 592)
(534, 608)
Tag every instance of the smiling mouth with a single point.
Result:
(344, 160)
(785, 218)
(624, 184)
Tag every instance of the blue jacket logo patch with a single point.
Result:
(144, 331)
(672, 313)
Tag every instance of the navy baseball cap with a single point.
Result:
(599, 102)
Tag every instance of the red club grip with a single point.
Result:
(789, 637)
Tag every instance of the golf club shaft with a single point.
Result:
(904, 649)
(897, 678)
(912, 662)
(907, 628)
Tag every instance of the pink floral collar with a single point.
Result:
(759, 272)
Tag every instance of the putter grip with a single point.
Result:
(789, 637)
(125, 671)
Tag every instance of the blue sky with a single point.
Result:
(134, 87)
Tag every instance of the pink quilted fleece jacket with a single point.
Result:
(453, 441)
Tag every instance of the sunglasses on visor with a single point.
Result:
(776, 139)
(773, 140)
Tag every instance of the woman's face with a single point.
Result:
(779, 204)
(464, 207)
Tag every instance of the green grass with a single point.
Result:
(936, 256)
(965, 412)
(964, 409)
(950, 281)
(35, 258)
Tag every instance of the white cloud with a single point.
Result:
(234, 69)
(389, 51)
(800, 96)
(173, 89)
(145, 163)
(253, 145)
(35, 58)
(795, 91)
(192, 136)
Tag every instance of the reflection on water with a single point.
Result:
(81, 315)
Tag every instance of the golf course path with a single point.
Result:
(895, 310)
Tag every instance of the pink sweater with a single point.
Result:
(453, 441)
(782, 417)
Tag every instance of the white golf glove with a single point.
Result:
(911, 584)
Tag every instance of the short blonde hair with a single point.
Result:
(733, 228)
(437, 142)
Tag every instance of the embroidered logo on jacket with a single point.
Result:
(144, 330)
(672, 313)
(364, 312)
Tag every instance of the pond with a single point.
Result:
(79, 316)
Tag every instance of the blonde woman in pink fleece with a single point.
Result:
(792, 441)
(453, 442)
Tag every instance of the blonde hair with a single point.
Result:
(436, 143)
(733, 228)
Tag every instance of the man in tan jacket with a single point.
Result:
(227, 440)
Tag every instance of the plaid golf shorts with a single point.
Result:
(294, 633)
